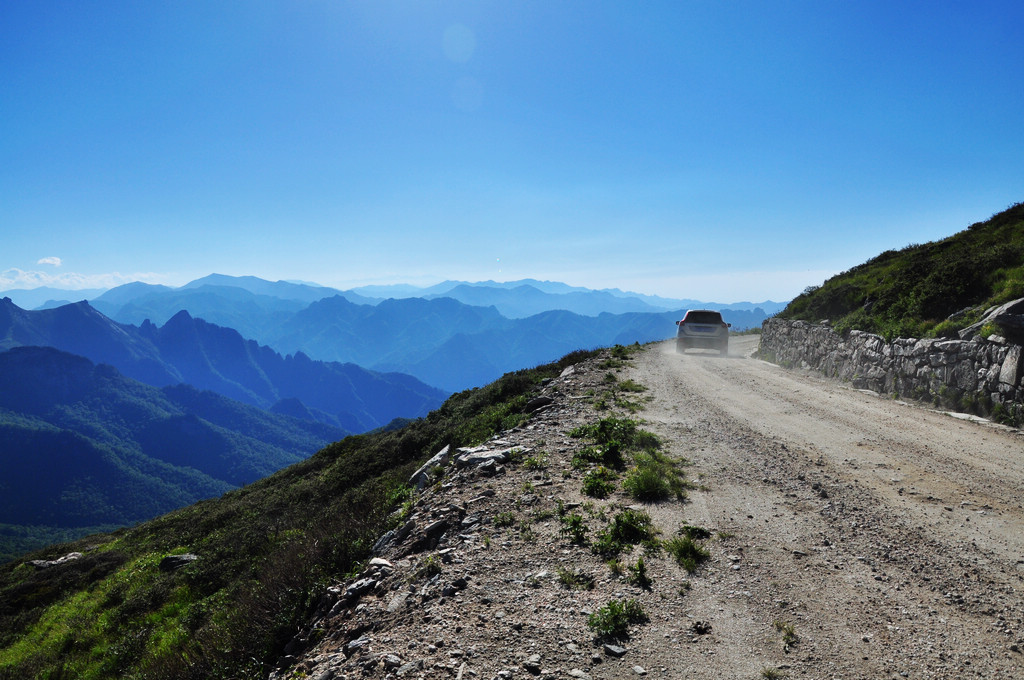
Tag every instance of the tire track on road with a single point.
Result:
(847, 507)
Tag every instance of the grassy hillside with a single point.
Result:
(933, 289)
(264, 552)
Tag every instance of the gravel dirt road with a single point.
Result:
(849, 536)
(888, 536)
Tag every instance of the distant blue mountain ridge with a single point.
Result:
(211, 357)
(107, 300)
(150, 397)
(453, 336)
(84, 448)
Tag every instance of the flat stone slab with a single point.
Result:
(479, 455)
(46, 564)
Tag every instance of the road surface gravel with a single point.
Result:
(851, 536)
(887, 537)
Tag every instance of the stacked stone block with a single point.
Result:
(974, 374)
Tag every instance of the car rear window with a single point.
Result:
(703, 317)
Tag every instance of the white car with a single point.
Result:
(702, 328)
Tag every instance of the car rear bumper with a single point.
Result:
(684, 343)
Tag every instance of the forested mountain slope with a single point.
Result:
(82, 446)
(207, 356)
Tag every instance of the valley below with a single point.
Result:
(848, 535)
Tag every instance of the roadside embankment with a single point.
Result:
(976, 375)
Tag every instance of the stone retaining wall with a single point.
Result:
(977, 375)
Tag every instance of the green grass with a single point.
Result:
(630, 386)
(638, 574)
(695, 533)
(266, 552)
(613, 620)
(1012, 415)
(536, 462)
(608, 455)
(617, 393)
(931, 289)
(574, 528)
(654, 478)
(789, 636)
(632, 526)
(599, 482)
(91, 620)
(575, 579)
(504, 519)
(428, 567)
(625, 431)
(526, 531)
(688, 553)
(628, 527)
(619, 355)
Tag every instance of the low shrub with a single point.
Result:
(599, 482)
(789, 636)
(609, 455)
(504, 519)
(688, 553)
(429, 567)
(1012, 415)
(606, 546)
(632, 526)
(613, 620)
(536, 462)
(574, 528)
(924, 289)
(629, 527)
(575, 579)
(654, 478)
(638, 574)
(630, 385)
(623, 430)
(696, 533)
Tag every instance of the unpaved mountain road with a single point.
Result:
(886, 537)
(849, 536)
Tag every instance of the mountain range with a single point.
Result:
(130, 303)
(189, 392)
(453, 336)
(197, 587)
(82, 446)
(211, 357)
(256, 559)
(455, 346)
(105, 424)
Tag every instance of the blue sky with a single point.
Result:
(721, 151)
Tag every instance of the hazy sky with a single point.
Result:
(717, 150)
